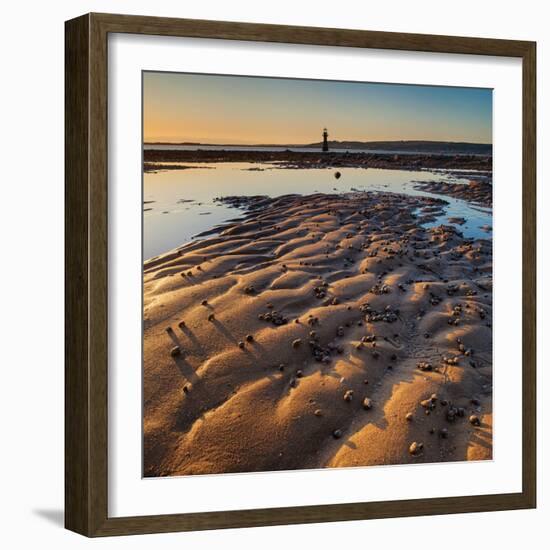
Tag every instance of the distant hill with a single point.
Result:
(446, 147)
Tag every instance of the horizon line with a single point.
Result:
(187, 142)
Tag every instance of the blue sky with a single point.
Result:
(239, 109)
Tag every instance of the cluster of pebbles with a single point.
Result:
(326, 296)
(476, 191)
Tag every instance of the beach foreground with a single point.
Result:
(319, 331)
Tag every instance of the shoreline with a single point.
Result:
(319, 331)
(299, 159)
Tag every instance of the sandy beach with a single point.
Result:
(319, 331)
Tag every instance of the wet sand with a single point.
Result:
(331, 159)
(319, 331)
(477, 191)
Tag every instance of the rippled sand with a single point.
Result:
(342, 299)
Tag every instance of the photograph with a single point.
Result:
(317, 274)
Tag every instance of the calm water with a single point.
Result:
(179, 204)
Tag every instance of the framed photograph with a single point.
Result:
(300, 275)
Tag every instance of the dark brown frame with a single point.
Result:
(86, 273)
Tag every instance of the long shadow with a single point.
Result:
(482, 441)
(224, 331)
(189, 334)
(186, 370)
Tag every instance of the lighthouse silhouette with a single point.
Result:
(325, 142)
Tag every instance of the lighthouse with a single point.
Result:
(325, 142)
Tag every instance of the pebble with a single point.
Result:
(451, 414)
(444, 433)
(318, 412)
(241, 345)
(367, 404)
(337, 434)
(181, 324)
(415, 448)
(474, 420)
(424, 366)
(175, 351)
(249, 338)
(409, 416)
(204, 303)
(296, 343)
(211, 317)
(348, 396)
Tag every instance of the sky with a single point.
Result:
(218, 109)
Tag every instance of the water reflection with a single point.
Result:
(179, 204)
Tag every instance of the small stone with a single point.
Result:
(181, 324)
(416, 448)
(444, 433)
(474, 420)
(296, 343)
(204, 303)
(249, 338)
(348, 396)
(337, 175)
(409, 416)
(367, 404)
(211, 317)
(241, 345)
(428, 404)
(175, 351)
(299, 373)
(318, 412)
(337, 434)
(185, 389)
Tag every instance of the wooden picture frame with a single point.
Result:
(86, 219)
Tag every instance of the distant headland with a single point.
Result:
(419, 146)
